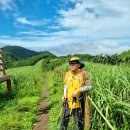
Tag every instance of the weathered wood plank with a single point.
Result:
(4, 77)
(87, 113)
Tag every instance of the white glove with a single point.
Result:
(86, 88)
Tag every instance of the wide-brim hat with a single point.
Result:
(76, 60)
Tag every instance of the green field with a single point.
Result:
(18, 112)
(111, 93)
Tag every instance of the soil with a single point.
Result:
(42, 115)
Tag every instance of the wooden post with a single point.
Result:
(87, 113)
(3, 76)
(9, 86)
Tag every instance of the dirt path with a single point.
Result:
(43, 115)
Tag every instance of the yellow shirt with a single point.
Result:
(73, 82)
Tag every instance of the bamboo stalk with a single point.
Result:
(101, 114)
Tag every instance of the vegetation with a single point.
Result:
(9, 59)
(18, 56)
(110, 81)
(51, 64)
(18, 112)
(111, 93)
(105, 59)
(33, 60)
(20, 52)
(15, 56)
(125, 54)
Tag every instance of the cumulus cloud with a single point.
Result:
(90, 48)
(61, 45)
(90, 23)
(98, 18)
(90, 26)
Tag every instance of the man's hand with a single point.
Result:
(74, 93)
(64, 98)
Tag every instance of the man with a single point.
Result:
(76, 82)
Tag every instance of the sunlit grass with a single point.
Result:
(18, 112)
(111, 93)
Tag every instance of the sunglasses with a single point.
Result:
(73, 63)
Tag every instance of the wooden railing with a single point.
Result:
(3, 76)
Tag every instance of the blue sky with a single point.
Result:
(66, 26)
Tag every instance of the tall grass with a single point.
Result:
(18, 112)
(111, 93)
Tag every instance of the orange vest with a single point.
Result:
(73, 82)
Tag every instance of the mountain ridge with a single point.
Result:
(15, 56)
(20, 52)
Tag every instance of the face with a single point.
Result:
(74, 67)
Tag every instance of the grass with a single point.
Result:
(111, 93)
(18, 112)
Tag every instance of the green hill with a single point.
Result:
(34, 59)
(125, 54)
(19, 52)
(15, 56)
(9, 59)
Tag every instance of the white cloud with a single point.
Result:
(9, 8)
(61, 45)
(87, 28)
(54, 27)
(108, 44)
(34, 33)
(5, 5)
(89, 48)
(24, 21)
(99, 19)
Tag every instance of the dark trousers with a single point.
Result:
(76, 113)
